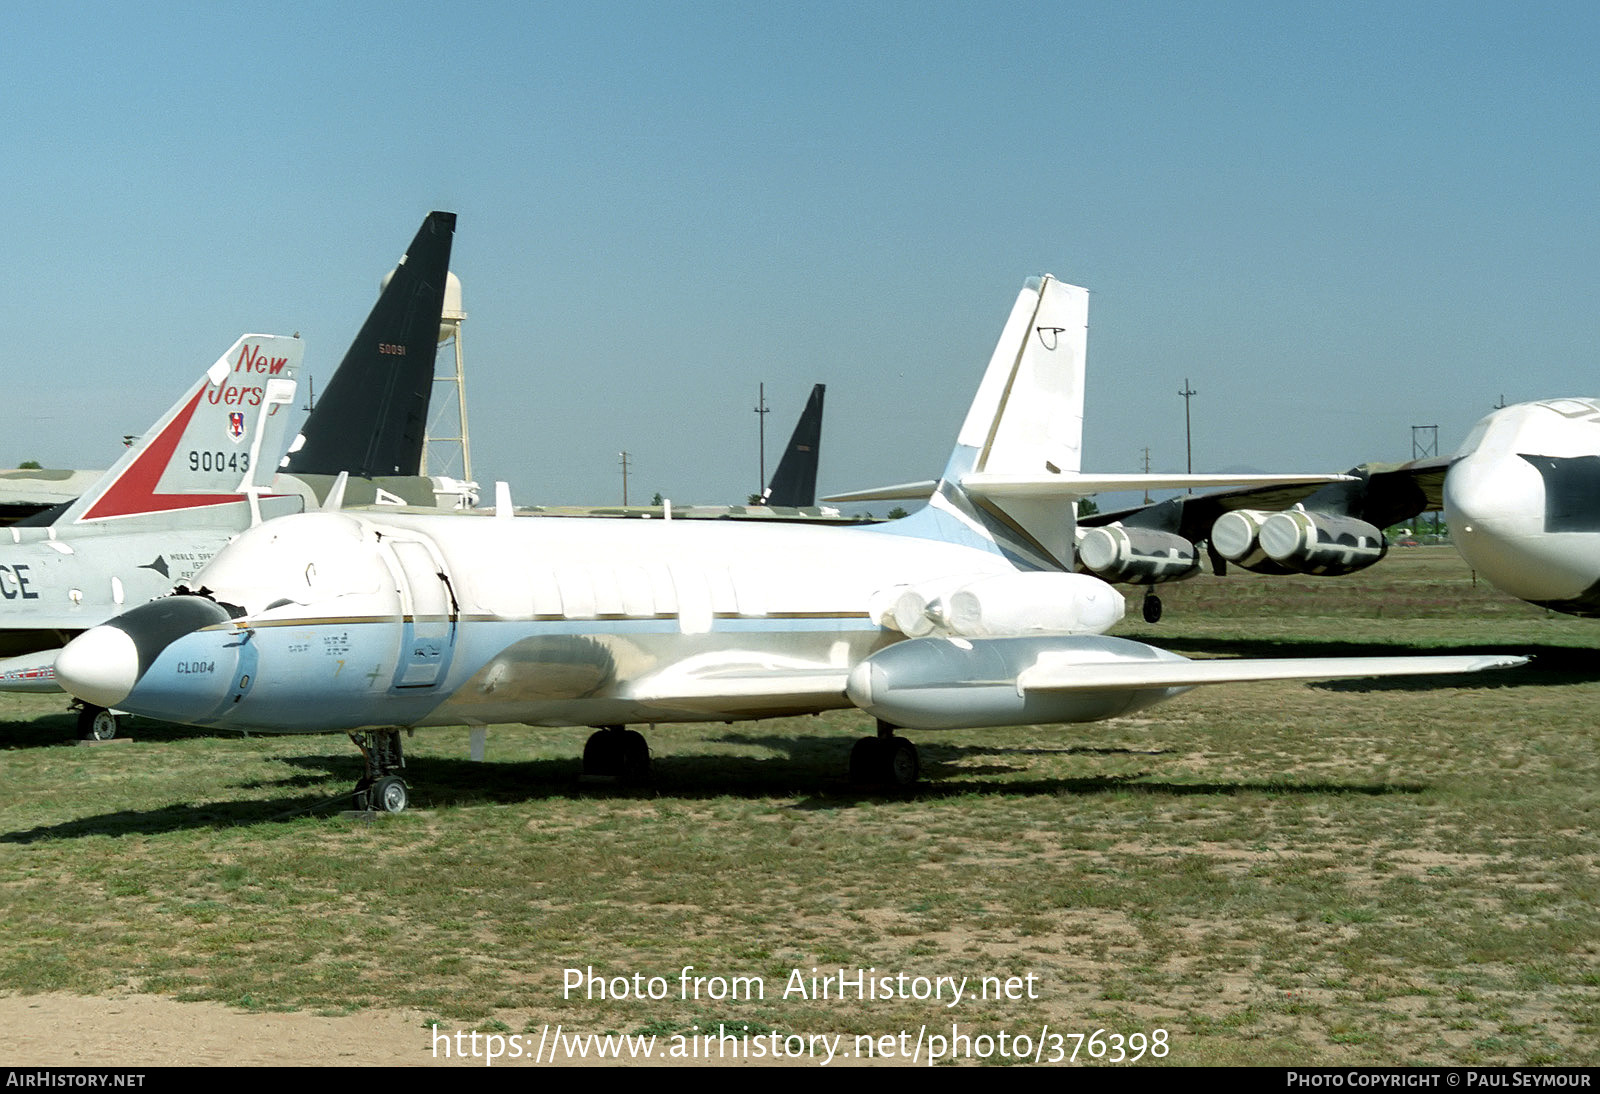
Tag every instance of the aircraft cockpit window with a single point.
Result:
(322, 555)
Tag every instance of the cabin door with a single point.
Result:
(429, 618)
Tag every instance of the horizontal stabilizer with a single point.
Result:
(906, 491)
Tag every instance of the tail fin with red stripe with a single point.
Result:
(215, 447)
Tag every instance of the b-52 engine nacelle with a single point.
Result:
(1137, 556)
(1297, 542)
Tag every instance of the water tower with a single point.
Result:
(447, 450)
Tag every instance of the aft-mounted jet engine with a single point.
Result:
(1297, 542)
(1005, 604)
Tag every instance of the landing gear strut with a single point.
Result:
(614, 752)
(96, 724)
(884, 760)
(380, 789)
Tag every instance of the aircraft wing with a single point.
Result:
(25, 492)
(1062, 673)
(1380, 494)
(1051, 670)
(1067, 487)
(955, 683)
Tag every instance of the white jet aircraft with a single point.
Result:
(964, 614)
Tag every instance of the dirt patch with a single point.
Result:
(149, 1030)
(133, 1031)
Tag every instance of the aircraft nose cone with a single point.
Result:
(1496, 510)
(104, 664)
(100, 666)
(1494, 494)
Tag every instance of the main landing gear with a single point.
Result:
(380, 789)
(884, 760)
(614, 752)
(1152, 608)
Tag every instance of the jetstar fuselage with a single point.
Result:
(427, 620)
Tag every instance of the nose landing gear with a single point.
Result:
(380, 789)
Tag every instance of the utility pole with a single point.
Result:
(624, 456)
(1424, 441)
(1425, 445)
(1147, 470)
(1188, 444)
(761, 416)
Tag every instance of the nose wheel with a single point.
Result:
(388, 795)
(380, 789)
(96, 724)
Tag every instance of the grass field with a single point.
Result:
(1272, 873)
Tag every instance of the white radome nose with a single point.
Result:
(100, 666)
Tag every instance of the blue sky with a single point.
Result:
(1337, 221)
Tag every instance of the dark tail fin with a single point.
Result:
(795, 481)
(372, 419)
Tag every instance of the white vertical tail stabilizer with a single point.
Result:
(1027, 418)
(1013, 481)
(1025, 426)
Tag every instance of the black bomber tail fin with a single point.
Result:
(795, 481)
(372, 418)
